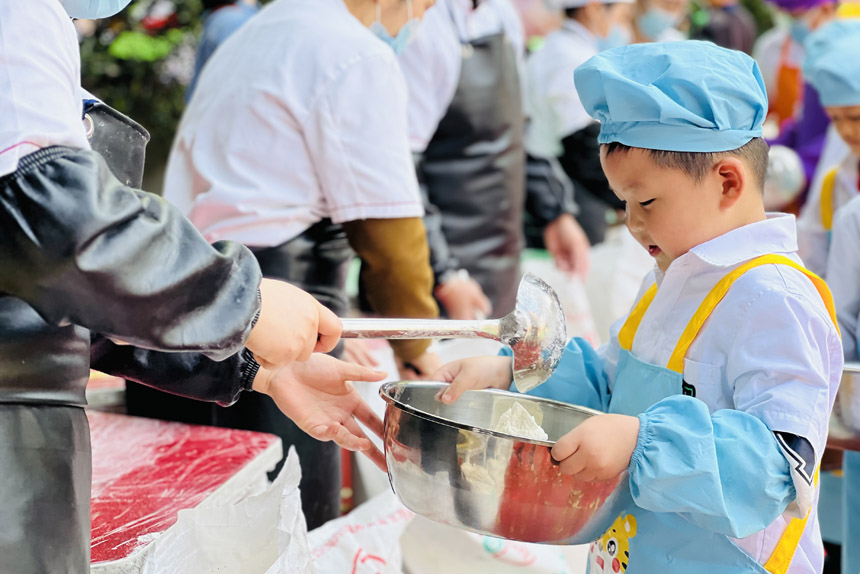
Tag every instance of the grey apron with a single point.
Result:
(474, 169)
(45, 499)
(318, 262)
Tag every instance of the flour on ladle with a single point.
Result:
(518, 422)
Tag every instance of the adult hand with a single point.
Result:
(474, 373)
(319, 397)
(420, 368)
(291, 326)
(568, 245)
(358, 352)
(598, 449)
(463, 298)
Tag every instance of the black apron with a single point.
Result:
(45, 498)
(318, 262)
(474, 169)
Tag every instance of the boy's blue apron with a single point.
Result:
(629, 545)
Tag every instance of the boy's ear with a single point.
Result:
(733, 180)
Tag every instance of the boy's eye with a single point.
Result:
(646, 203)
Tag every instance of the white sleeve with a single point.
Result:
(357, 139)
(563, 100)
(843, 275)
(431, 66)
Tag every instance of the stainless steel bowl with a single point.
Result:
(845, 422)
(444, 464)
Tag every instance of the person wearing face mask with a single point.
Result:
(295, 144)
(560, 128)
(658, 20)
(466, 128)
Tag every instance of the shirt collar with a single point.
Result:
(776, 234)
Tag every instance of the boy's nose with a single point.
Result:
(633, 219)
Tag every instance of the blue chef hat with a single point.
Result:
(832, 63)
(674, 96)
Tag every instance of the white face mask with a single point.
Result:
(93, 9)
(404, 36)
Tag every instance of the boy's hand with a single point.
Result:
(291, 326)
(463, 299)
(474, 373)
(598, 449)
(318, 396)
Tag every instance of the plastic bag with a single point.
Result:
(365, 541)
(242, 538)
(432, 548)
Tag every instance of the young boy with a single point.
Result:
(837, 79)
(721, 379)
(87, 263)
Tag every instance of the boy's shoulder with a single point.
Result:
(772, 295)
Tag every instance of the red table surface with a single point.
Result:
(145, 471)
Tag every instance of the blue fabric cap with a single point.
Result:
(832, 63)
(675, 96)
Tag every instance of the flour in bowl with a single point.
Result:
(518, 422)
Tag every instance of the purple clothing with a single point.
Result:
(805, 134)
(795, 5)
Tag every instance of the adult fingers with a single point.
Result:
(364, 413)
(371, 452)
(329, 329)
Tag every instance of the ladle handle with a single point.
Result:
(419, 329)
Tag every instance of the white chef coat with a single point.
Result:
(813, 239)
(431, 62)
(553, 106)
(843, 274)
(298, 116)
(765, 349)
(40, 79)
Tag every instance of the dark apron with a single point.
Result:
(474, 169)
(45, 457)
(316, 261)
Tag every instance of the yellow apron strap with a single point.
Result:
(827, 186)
(628, 331)
(676, 362)
(780, 560)
(787, 545)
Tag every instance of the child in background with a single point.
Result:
(830, 68)
(837, 79)
(720, 381)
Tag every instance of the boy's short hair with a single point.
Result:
(697, 164)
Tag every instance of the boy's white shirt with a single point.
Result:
(844, 274)
(813, 239)
(40, 79)
(776, 330)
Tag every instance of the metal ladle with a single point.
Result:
(535, 330)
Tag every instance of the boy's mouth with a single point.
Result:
(653, 250)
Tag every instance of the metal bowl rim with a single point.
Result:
(383, 393)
